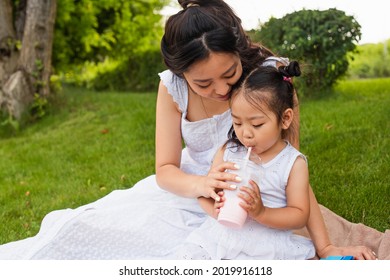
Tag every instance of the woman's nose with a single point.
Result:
(222, 88)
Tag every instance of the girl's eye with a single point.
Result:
(236, 124)
(257, 125)
(201, 86)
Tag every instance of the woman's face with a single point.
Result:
(214, 76)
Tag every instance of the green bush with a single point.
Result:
(143, 71)
(320, 40)
(138, 73)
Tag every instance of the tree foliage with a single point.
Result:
(320, 40)
(104, 35)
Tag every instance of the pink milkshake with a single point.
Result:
(232, 214)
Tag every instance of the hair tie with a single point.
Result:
(288, 79)
(192, 5)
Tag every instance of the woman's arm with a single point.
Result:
(293, 133)
(316, 227)
(168, 146)
(320, 237)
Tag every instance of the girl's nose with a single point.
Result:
(247, 133)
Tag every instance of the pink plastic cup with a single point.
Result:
(232, 214)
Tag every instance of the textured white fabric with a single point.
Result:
(213, 240)
(143, 222)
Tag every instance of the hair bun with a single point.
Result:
(294, 68)
(291, 70)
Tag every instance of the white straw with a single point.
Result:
(248, 154)
(247, 157)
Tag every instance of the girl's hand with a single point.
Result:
(358, 252)
(252, 202)
(217, 179)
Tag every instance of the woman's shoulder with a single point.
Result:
(176, 87)
(168, 77)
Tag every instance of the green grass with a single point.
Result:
(98, 143)
(346, 138)
(92, 143)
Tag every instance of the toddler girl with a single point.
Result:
(262, 112)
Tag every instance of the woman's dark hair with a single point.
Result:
(271, 87)
(205, 26)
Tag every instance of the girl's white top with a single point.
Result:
(253, 241)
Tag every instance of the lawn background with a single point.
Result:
(92, 143)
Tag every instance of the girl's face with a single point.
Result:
(214, 76)
(254, 127)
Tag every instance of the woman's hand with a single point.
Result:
(252, 201)
(358, 252)
(217, 179)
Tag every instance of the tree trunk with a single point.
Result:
(25, 70)
(8, 54)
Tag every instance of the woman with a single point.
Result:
(207, 53)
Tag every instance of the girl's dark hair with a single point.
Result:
(271, 87)
(205, 26)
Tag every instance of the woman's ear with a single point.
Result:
(287, 118)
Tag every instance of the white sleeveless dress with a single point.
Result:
(144, 222)
(213, 240)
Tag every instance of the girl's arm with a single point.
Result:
(207, 205)
(295, 214)
(168, 155)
